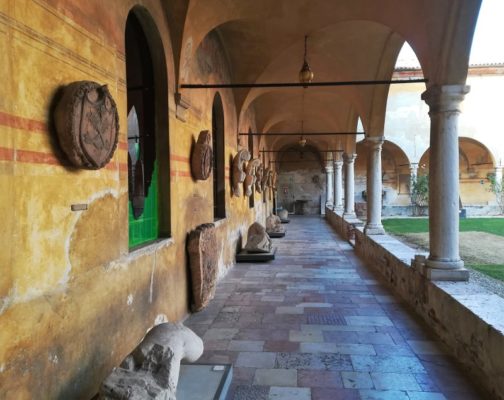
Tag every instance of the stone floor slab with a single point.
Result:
(394, 381)
(286, 393)
(275, 377)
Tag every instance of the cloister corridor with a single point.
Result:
(316, 323)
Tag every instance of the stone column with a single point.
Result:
(444, 261)
(338, 186)
(413, 175)
(498, 174)
(329, 185)
(374, 187)
(349, 185)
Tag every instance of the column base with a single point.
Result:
(374, 229)
(444, 271)
(329, 205)
(350, 215)
(338, 209)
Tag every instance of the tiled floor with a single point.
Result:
(316, 324)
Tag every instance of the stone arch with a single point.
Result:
(148, 129)
(218, 145)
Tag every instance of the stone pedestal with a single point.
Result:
(374, 187)
(338, 186)
(349, 160)
(444, 261)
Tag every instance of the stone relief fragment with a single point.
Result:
(239, 171)
(152, 370)
(203, 263)
(274, 177)
(274, 224)
(202, 156)
(258, 240)
(266, 179)
(87, 124)
(259, 176)
(251, 176)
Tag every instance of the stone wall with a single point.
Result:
(468, 318)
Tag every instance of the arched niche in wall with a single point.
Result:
(148, 140)
(219, 171)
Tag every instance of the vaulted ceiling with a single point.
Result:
(348, 40)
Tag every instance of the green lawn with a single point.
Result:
(419, 225)
(494, 226)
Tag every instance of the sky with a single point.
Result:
(488, 45)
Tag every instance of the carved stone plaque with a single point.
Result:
(87, 124)
(202, 157)
(239, 174)
(203, 258)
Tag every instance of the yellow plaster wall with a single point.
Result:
(73, 300)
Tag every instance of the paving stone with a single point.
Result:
(383, 395)
(246, 345)
(256, 360)
(326, 379)
(314, 305)
(348, 348)
(220, 334)
(334, 394)
(243, 392)
(357, 380)
(288, 310)
(321, 361)
(426, 396)
(394, 381)
(305, 336)
(281, 346)
(372, 320)
(284, 393)
(387, 364)
(276, 377)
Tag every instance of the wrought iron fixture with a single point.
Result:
(306, 74)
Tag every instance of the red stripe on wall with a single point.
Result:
(181, 174)
(174, 157)
(6, 154)
(36, 157)
(15, 121)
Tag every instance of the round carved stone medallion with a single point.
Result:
(202, 156)
(87, 124)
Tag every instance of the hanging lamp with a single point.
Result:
(302, 140)
(306, 74)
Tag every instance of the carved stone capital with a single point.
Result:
(445, 98)
(349, 158)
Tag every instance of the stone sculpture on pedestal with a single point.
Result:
(283, 214)
(258, 240)
(151, 371)
(274, 225)
(238, 171)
